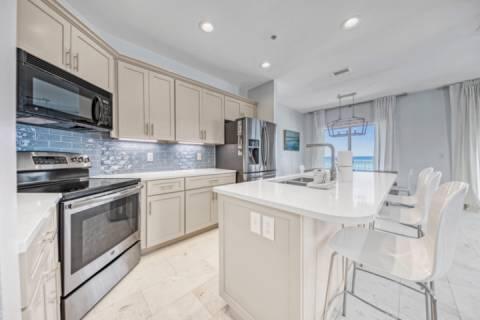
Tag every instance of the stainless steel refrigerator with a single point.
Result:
(249, 148)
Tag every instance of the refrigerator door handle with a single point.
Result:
(264, 146)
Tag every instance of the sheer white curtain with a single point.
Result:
(385, 144)
(315, 125)
(465, 136)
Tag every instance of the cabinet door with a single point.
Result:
(187, 120)
(161, 106)
(132, 102)
(247, 110)
(198, 209)
(92, 62)
(43, 32)
(166, 218)
(52, 302)
(232, 109)
(36, 309)
(212, 117)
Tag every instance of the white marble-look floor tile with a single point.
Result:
(181, 282)
(187, 307)
(207, 294)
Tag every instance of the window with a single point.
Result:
(362, 147)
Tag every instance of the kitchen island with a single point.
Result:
(274, 252)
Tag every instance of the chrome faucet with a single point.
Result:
(333, 171)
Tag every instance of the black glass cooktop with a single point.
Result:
(72, 189)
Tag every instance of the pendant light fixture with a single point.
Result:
(353, 126)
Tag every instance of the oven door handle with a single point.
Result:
(95, 201)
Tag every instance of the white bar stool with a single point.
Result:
(417, 216)
(396, 258)
(410, 200)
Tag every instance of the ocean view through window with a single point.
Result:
(362, 148)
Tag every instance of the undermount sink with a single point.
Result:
(302, 181)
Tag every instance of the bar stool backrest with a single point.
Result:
(443, 223)
(425, 194)
(422, 179)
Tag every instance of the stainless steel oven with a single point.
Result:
(96, 230)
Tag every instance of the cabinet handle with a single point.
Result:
(205, 134)
(150, 209)
(68, 58)
(152, 129)
(76, 62)
(200, 133)
(146, 129)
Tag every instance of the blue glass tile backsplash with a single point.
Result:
(110, 156)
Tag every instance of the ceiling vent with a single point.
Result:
(341, 71)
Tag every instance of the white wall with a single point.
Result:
(9, 281)
(423, 132)
(265, 95)
(140, 53)
(288, 162)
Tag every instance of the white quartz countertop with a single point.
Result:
(170, 174)
(33, 210)
(348, 202)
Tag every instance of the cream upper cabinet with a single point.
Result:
(166, 218)
(91, 62)
(146, 108)
(161, 106)
(198, 209)
(247, 110)
(232, 109)
(212, 117)
(43, 32)
(132, 102)
(188, 99)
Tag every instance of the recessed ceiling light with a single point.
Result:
(206, 26)
(265, 65)
(351, 23)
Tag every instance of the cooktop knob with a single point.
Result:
(74, 159)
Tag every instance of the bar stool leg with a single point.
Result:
(354, 276)
(325, 303)
(427, 302)
(434, 301)
(345, 288)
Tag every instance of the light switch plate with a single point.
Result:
(255, 222)
(149, 156)
(268, 227)
(199, 156)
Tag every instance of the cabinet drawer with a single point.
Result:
(165, 186)
(209, 181)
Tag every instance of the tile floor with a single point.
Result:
(180, 282)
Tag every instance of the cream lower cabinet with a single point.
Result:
(165, 218)
(199, 209)
(40, 275)
(146, 107)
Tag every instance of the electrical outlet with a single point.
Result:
(199, 156)
(268, 227)
(255, 222)
(149, 156)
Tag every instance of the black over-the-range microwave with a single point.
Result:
(50, 96)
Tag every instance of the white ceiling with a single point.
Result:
(399, 46)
